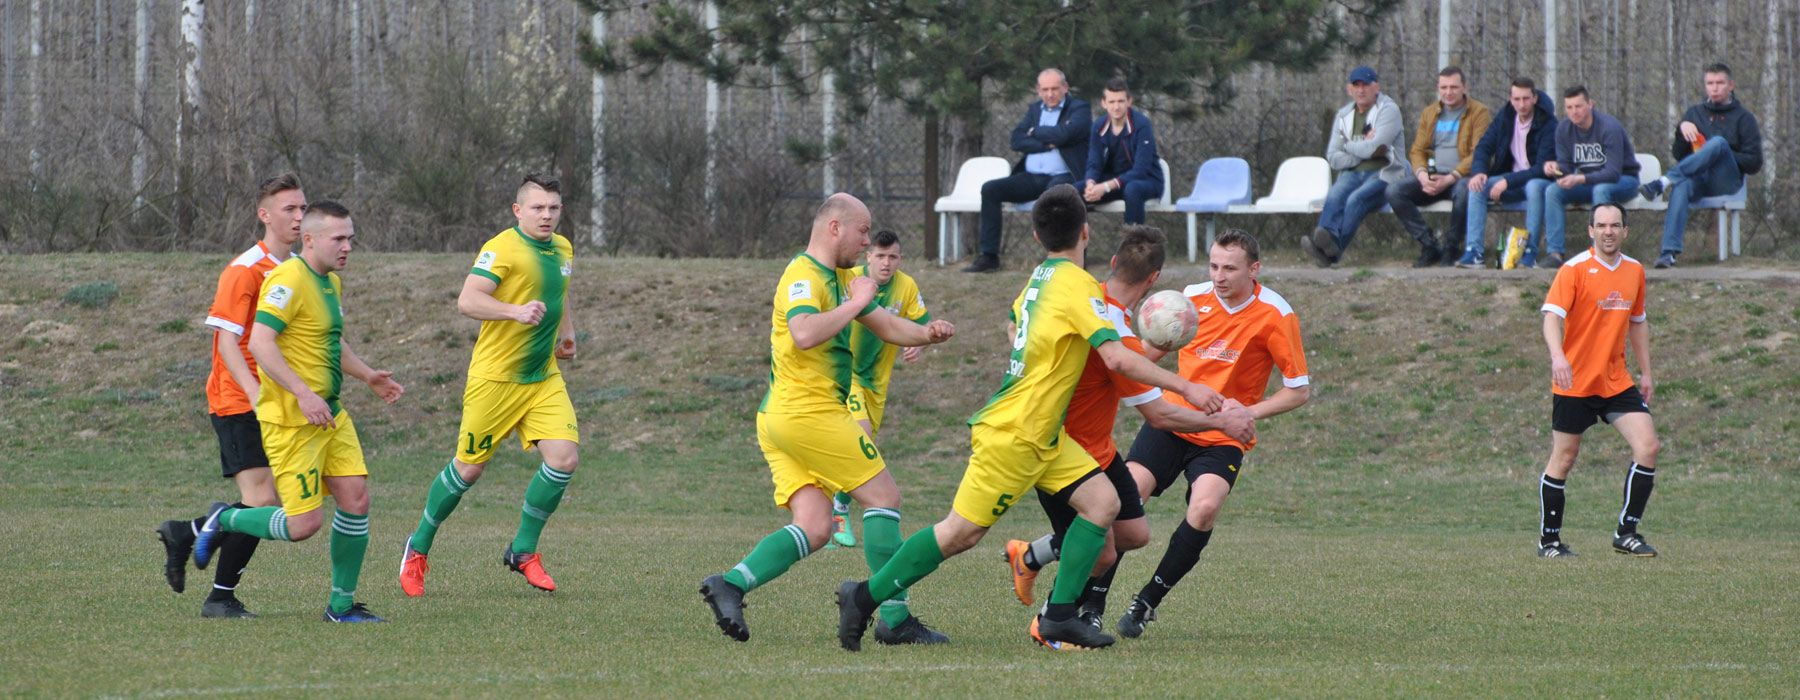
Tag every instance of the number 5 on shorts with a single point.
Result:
(1005, 502)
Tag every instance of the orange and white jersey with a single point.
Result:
(234, 309)
(1099, 392)
(1234, 349)
(1598, 303)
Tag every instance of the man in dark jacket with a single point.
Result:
(1717, 143)
(1121, 160)
(1594, 164)
(1053, 142)
(1512, 152)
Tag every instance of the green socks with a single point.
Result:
(770, 558)
(916, 559)
(266, 523)
(541, 499)
(349, 542)
(881, 538)
(446, 491)
(840, 504)
(1080, 549)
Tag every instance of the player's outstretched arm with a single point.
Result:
(1560, 374)
(477, 302)
(1639, 335)
(1124, 360)
(379, 380)
(899, 331)
(1234, 419)
(269, 360)
(1283, 400)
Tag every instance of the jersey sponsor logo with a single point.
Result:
(895, 309)
(921, 299)
(568, 268)
(1218, 350)
(485, 261)
(800, 289)
(279, 296)
(1593, 270)
(1206, 309)
(1615, 301)
(1099, 307)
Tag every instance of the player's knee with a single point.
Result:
(818, 529)
(1108, 557)
(259, 499)
(1130, 538)
(564, 462)
(1202, 512)
(305, 525)
(1646, 453)
(470, 473)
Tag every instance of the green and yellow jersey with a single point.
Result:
(1060, 315)
(525, 269)
(302, 307)
(874, 358)
(818, 379)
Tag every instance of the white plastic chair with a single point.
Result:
(1218, 184)
(1731, 208)
(1649, 168)
(965, 197)
(1300, 187)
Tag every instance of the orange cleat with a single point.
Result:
(412, 571)
(1023, 577)
(532, 566)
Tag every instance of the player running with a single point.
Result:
(1018, 440)
(1245, 329)
(1594, 306)
(813, 445)
(519, 290)
(873, 358)
(1092, 412)
(231, 386)
(302, 356)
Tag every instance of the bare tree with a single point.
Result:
(6, 67)
(1771, 88)
(187, 120)
(140, 88)
(35, 85)
(597, 129)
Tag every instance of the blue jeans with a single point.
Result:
(1478, 209)
(1556, 198)
(1352, 197)
(1135, 194)
(1711, 171)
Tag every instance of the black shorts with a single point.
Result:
(1130, 505)
(1168, 456)
(1575, 414)
(240, 443)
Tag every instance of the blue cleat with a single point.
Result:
(208, 536)
(357, 613)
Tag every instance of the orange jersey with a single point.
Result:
(1598, 304)
(1234, 349)
(1095, 404)
(234, 309)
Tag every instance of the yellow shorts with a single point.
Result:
(827, 450)
(300, 458)
(866, 404)
(494, 410)
(1002, 466)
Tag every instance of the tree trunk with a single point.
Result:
(711, 191)
(250, 20)
(140, 86)
(933, 188)
(356, 51)
(193, 20)
(828, 131)
(6, 67)
(597, 162)
(35, 86)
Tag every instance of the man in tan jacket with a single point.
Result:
(1442, 149)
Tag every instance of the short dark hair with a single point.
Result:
(1608, 205)
(544, 180)
(1453, 70)
(277, 184)
(1576, 91)
(1118, 84)
(884, 238)
(1057, 218)
(326, 207)
(1524, 82)
(1141, 253)
(1718, 68)
(1239, 238)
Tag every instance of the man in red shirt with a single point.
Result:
(231, 390)
(1594, 306)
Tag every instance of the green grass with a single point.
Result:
(1379, 543)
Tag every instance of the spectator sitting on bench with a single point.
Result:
(1121, 160)
(1442, 149)
(1366, 149)
(1511, 154)
(1053, 142)
(1717, 143)
(1594, 164)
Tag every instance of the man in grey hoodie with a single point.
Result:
(1368, 151)
(1717, 143)
(1594, 164)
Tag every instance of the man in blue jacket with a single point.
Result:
(1594, 164)
(1512, 152)
(1121, 159)
(1053, 141)
(1731, 148)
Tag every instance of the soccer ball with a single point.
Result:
(1167, 320)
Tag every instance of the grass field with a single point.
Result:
(1379, 544)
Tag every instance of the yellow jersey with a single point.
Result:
(1060, 316)
(302, 307)
(817, 379)
(874, 357)
(525, 269)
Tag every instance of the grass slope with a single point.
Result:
(1379, 543)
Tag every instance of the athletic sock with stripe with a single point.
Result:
(541, 499)
(770, 558)
(1638, 483)
(881, 539)
(349, 543)
(1550, 509)
(267, 522)
(446, 492)
(1080, 549)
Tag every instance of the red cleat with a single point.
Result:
(412, 571)
(532, 566)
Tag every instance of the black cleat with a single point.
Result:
(178, 542)
(1553, 550)
(853, 618)
(1073, 634)
(1634, 545)
(229, 608)
(727, 603)
(1136, 618)
(912, 631)
(1092, 617)
(1429, 256)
